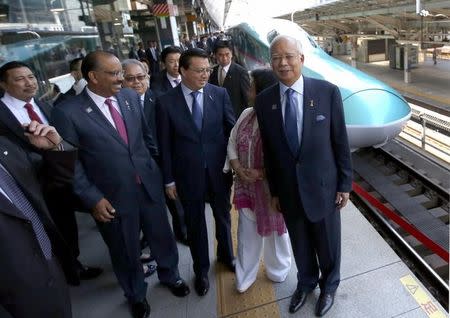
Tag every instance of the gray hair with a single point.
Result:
(128, 62)
(288, 38)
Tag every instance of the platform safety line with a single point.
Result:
(421, 297)
(401, 87)
(411, 229)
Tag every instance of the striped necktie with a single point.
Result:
(20, 201)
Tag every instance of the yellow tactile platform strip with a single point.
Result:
(414, 91)
(258, 301)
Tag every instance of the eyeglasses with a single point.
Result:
(201, 70)
(289, 57)
(114, 73)
(131, 79)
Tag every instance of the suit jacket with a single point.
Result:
(149, 111)
(154, 63)
(237, 83)
(185, 151)
(24, 269)
(71, 92)
(10, 126)
(107, 166)
(310, 179)
(160, 84)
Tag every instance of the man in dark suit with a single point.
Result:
(152, 55)
(308, 166)
(80, 83)
(194, 121)
(117, 178)
(18, 107)
(232, 76)
(170, 76)
(133, 73)
(32, 250)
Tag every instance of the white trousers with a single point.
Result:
(277, 253)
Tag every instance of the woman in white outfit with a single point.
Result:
(260, 227)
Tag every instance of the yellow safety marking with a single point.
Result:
(258, 301)
(422, 298)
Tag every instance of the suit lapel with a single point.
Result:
(46, 109)
(208, 107)
(93, 112)
(125, 108)
(11, 122)
(310, 102)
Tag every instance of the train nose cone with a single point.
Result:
(374, 116)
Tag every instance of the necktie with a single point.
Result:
(196, 111)
(118, 121)
(290, 122)
(176, 81)
(31, 113)
(18, 198)
(222, 75)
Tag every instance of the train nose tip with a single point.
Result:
(374, 116)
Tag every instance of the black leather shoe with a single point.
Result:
(298, 299)
(149, 270)
(201, 286)
(87, 272)
(140, 309)
(231, 266)
(179, 289)
(324, 303)
(146, 258)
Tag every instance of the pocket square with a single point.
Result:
(320, 117)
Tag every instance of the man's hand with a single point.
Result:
(171, 192)
(42, 136)
(275, 203)
(341, 199)
(103, 211)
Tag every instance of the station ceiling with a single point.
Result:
(396, 19)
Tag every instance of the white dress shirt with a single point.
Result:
(188, 97)
(173, 79)
(17, 107)
(100, 102)
(298, 88)
(222, 69)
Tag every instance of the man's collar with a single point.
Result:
(186, 90)
(15, 102)
(298, 86)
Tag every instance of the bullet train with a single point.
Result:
(374, 112)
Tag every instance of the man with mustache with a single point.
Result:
(117, 178)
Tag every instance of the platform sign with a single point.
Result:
(422, 298)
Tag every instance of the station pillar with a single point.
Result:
(354, 54)
(166, 24)
(407, 73)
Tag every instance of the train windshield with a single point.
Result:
(281, 27)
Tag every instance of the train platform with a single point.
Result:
(375, 283)
(430, 84)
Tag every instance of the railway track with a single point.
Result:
(410, 211)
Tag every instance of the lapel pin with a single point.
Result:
(88, 110)
(274, 107)
(127, 104)
(210, 97)
(311, 103)
(151, 100)
(5, 153)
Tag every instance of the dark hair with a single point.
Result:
(10, 66)
(73, 64)
(222, 44)
(262, 79)
(90, 62)
(185, 58)
(169, 50)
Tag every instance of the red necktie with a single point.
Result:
(118, 121)
(31, 113)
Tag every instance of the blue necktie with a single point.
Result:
(196, 111)
(18, 198)
(290, 122)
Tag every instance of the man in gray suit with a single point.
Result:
(117, 177)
